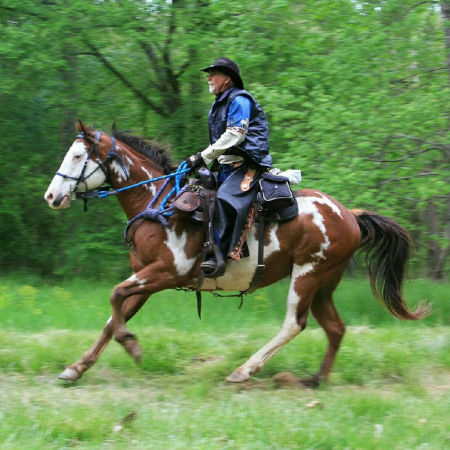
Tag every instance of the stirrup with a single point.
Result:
(208, 266)
(213, 268)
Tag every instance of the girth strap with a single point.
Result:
(199, 304)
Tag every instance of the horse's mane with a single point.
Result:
(157, 152)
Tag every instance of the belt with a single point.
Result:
(234, 165)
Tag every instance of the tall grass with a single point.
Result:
(30, 304)
(389, 387)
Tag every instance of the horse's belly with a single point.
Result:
(239, 274)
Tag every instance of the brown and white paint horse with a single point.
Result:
(313, 249)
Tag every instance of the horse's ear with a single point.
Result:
(114, 128)
(80, 126)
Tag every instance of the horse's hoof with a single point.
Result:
(134, 349)
(286, 379)
(70, 375)
(312, 382)
(237, 377)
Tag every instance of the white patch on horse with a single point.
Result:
(307, 205)
(118, 170)
(289, 330)
(239, 274)
(135, 279)
(176, 245)
(128, 160)
(326, 201)
(77, 148)
(149, 186)
(274, 244)
(74, 160)
(63, 184)
(304, 269)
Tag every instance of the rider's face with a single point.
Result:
(218, 82)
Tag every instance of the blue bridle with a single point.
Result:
(93, 149)
(149, 212)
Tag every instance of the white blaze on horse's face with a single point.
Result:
(64, 184)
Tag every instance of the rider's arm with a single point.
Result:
(237, 127)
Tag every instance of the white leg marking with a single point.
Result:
(176, 245)
(289, 330)
(135, 278)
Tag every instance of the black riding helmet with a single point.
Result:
(228, 67)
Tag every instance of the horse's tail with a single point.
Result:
(387, 247)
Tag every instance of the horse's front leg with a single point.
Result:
(76, 370)
(147, 281)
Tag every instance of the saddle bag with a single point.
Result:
(274, 192)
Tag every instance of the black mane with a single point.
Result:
(157, 152)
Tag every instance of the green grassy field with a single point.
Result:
(389, 388)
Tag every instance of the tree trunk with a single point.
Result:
(445, 8)
(438, 230)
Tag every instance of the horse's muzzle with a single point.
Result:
(58, 201)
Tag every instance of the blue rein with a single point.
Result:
(178, 174)
(150, 212)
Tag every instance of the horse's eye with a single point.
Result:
(77, 156)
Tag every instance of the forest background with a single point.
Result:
(357, 96)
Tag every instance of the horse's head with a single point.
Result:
(81, 170)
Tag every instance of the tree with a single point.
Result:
(356, 94)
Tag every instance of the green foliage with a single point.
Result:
(356, 93)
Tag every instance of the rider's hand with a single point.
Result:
(195, 161)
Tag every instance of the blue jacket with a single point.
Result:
(255, 147)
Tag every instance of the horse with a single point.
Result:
(313, 249)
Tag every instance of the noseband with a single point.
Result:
(93, 149)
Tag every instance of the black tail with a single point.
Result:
(387, 247)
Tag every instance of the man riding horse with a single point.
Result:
(239, 151)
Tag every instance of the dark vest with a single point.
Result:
(255, 147)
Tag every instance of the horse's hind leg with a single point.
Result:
(328, 318)
(130, 307)
(301, 292)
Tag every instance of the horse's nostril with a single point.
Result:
(49, 197)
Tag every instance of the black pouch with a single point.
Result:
(274, 192)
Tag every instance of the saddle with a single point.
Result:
(275, 202)
(275, 199)
(192, 202)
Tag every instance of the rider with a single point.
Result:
(239, 148)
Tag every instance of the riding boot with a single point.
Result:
(213, 264)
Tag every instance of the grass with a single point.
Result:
(389, 387)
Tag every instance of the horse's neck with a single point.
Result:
(135, 200)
